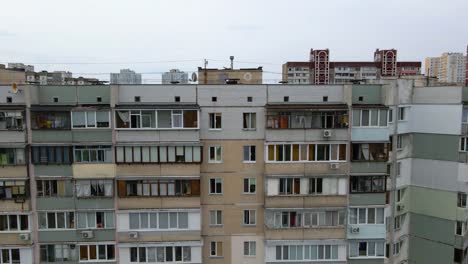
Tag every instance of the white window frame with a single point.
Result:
(214, 121)
(376, 243)
(306, 159)
(88, 226)
(163, 248)
(370, 118)
(158, 227)
(215, 249)
(214, 192)
(250, 247)
(249, 212)
(66, 216)
(463, 144)
(215, 149)
(218, 217)
(156, 119)
(463, 227)
(463, 120)
(249, 116)
(399, 220)
(86, 119)
(460, 195)
(397, 247)
(403, 112)
(250, 182)
(390, 116)
(249, 160)
(382, 209)
(399, 144)
(18, 223)
(10, 260)
(106, 244)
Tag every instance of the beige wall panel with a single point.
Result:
(232, 220)
(13, 172)
(12, 206)
(305, 233)
(158, 170)
(13, 239)
(305, 201)
(158, 202)
(160, 237)
(93, 171)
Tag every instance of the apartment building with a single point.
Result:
(125, 76)
(450, 67)
(373, 173)
(175, 76)
(320, 70)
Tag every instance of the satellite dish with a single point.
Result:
(194, 77)
(14, 88)
(248, 76)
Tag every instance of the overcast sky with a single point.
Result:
(181, 33)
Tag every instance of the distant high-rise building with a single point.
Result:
(320, 70)
(466, 67)
(450, 67)
(20, 66)
(175, 76)
(126, 76)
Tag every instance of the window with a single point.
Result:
(56, 220)
(397, 247)
(158, 220)
(97, 252)
(250, 121)
(215, 121)
(13, 189)
(154, 188)
(154, 154)
(250, 217)
(156, 119)
(366, 249)
(50, 120)
(250, 248)
(10, 255)
(93, 154)
(12, 156)
(460, 228)
(402, 113)
(398, 168)
(216, 217)
(177, 99)
(98, 99)
(214, 99)
(289, 186)
(372, 117)
(305, 152)
(91, 119)
(458, 255)
(93, 220)
(307, 119)
(464, 144)
(14, 222)
(216, 186)
(56, 99)
(137, 99)
(325, 99)
(390, 115)
(461, 200)
(366, 216)
(368, 184)
(286, 99)
(11, 120)
(306, 252)
(465, 115)
(94, 188)
(315, 185)
(399, 221)
(51, 155)
(369, 152)
(250, 185)
(58, 253)
(400, 194)
(215, 154)
(216, 249)
(249, 99)
(249, 153)
(160, 254)
(399, 142)
(9, 99)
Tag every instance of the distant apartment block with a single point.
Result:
(344, 174)
(59, 78)
(11, 75)
(20, 66)
(320, 70)
(450, 67)
(175, 76)
(126, 76)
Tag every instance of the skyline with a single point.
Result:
(275, 34)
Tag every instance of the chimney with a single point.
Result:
(232, 62)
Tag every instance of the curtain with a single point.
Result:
(124, 116)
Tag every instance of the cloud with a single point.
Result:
(6, 34)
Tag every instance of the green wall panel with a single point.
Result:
(367, 199)
(66, 94)
(371, 94)
(368, 167)
(75, 235)
(432, 202)
(435, 146)
(53, 170)
(428, 252)
(88, 94)
(51, 136)
(432, 228)
(92, 135)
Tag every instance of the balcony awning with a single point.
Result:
(306, 107)
(142, 106)
(155, 177)
(159, 143)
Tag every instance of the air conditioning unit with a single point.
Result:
(133, 235)
(334, 166)
(87, 234)
(400, 207)
(24, 237)
(354, 230)
(327, 133)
